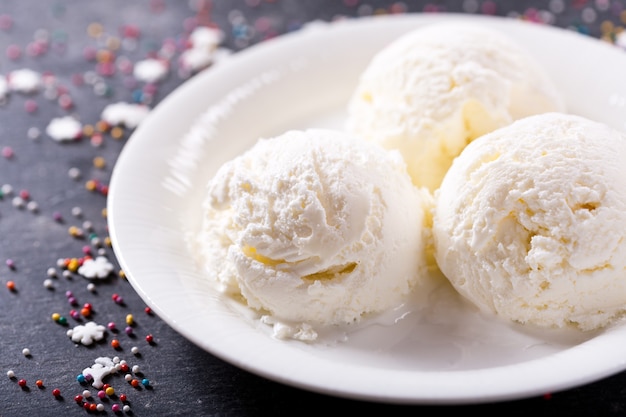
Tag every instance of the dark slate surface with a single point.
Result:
(185, 380)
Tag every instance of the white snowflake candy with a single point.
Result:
(206, 37)
(24, 80)
(102, 367)
(87, 333)
(127, 114)
(98, 268)
(150, 70)
(64, 128)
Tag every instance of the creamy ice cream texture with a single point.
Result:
(530, 222)
(432, 91)
(315, 227)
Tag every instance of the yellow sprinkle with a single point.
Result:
(73, 265)
(99, 162)
(74, 231)
(117, 132)
(129, 319)
(606, 26)
(88, 130)
(110, 391)
(95, 30)
(102, 126)
(122, 274)
(113, 43)
(104, 212)
(56, 316)
(107, 241)
(90, 185)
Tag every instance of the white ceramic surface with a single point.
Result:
(446, 353)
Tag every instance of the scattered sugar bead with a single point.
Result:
(91, 287)
(21, 382)
(77, 211)
(129, 330)
(56, 392)
(109, 391)
(123, 398)
(117, 132)
(18, 202)
(30, 106)
(115, 408)
(47, 283)
(75, 231)
(10, 263)
(11, 374)
(25, 194)
(111, 326)
(145, 382)
(7, 152)
(123, 367)
(135, 350)
(99, 162)
(75, 314)
(101, 394)
(39, 383)
(7, 189)
(116, 359)
(149, 338)
(128, 377)
(129, 319)
(56, 316)
(134, 383)
(81, 379)
(51, 272)
(85, 312)
(93, 407)
(100, 407)
(33, 133)
(62, 320)
(86, 393)
(148, 311)
(57, 216)
(126, 408)
(11, 285)
(67, 274)
(26, 352)
(78, 399)
(74, 173)
(115, 344)
(32, 206)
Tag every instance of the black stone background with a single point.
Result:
(185, 379)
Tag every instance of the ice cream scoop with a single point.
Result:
(315, 227)
(530, 222)
(435, 89)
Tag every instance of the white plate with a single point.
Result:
(448, 355)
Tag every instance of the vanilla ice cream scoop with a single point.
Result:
(530, 222)
(435, 89)
(316, 227)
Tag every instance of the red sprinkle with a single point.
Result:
(149, 338)
(56, 392)
(21, 382)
